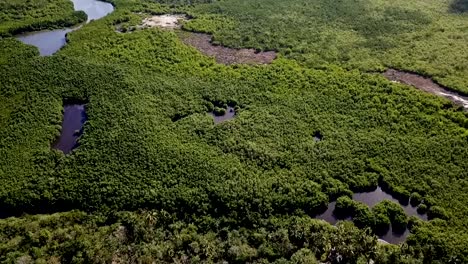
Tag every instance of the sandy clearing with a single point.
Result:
(164, 21)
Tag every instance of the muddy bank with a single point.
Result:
(427, 85)
(224, 55)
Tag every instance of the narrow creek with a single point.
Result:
(74, 116)
(427, 85)
(371, 199)
(50, 41)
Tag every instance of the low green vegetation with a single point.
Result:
(248, 188)
(428, 37)
(19, 16)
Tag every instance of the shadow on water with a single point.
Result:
(459, 6)
(229, 114)
(318, 136)
(374, 197)
(50, 41)
(371, 199)
(74, 116)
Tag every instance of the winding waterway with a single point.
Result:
(50, 41)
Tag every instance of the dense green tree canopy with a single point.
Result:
(18, 16)
(251, 183)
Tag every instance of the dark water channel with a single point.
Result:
(74, 116)
(371, 199)
(50, 41)
(230, 114)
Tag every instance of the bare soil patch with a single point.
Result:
(164, 21)
(225, 55)
(426, 84)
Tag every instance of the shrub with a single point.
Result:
(437, 212)
(344, 206)
(363, 216)
(219, 111)
(415, 199)
(399, 222)
(393, 211)
(422, 209)
(382, 223)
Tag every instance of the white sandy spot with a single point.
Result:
(164, 21)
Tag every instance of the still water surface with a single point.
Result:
(50, 41)
(230, 114)
(74, 116)
(371, 199)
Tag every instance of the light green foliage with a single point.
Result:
(422, 36)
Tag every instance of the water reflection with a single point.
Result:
(374, 197)
(228, 115)
(94, 9)
(371, 199)
(50, 41)
(74, 117)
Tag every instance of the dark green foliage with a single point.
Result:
(150, 143)
(415, 199)
(414, 222)
(12, 52)
(363, 216)
(19, 16)
(399, 222)
(422, 208)
(334, 188)
(459, 6)
(349, 244)
(395, 214)
(157, 236)
(437, 212)
(382, 222)
(219, 111)
(344, 206)
(369, 35)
